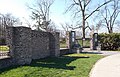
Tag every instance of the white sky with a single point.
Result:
(14, 7)
(19, 9)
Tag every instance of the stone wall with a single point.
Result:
(22, 45)
(54, 44)
(40, 44)
(26, 44)
(6, 62)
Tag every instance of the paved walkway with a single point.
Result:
(107, 67)
(106, 53)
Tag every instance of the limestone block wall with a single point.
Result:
(54, 45)
(6, 62)
(26, 44)
(40, 44)
(9, 40)
(22, 45)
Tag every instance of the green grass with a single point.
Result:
(63, 45)
(4, 48)
(86, 43)
(73, 65)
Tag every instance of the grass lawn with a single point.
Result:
(63, 45)
(4, 48)
(73, 65)
(86, 43)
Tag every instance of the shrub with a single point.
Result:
(110, 41)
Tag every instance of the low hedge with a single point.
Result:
(110, 41)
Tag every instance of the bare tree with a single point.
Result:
(110, 14)
(82, 7)
(40, 13)
(5, 21)
(66, 26)
(51, 27)
(8, 20)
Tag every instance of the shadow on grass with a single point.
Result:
(50, 62)
(55, 62)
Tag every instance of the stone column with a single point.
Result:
(54, 44)
(22, 45)
(9, 40)
(68, 39)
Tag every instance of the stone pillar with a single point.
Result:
(9, 40)
(72, 40)
(68, 39)
(22, 45)
(54, 44)
(91, 39)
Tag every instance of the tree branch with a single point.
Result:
(81, 7)
(76, 13)
(97, 9)
(87, 3)
(106, 21)
(75, 2)
(70, 7)
(115, 18)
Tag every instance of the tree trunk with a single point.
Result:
(83, 24)
(83, 29)
(110, 30)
